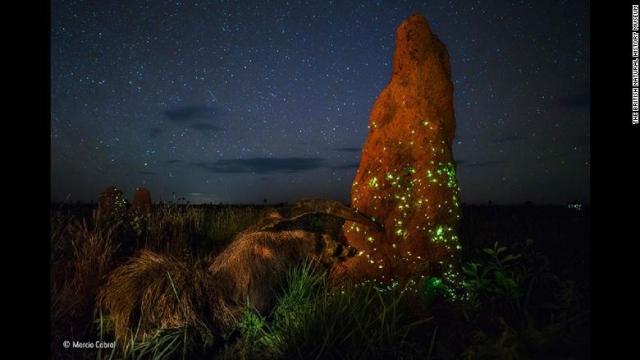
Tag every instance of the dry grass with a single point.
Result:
(91, 253)
(188, 232)
(85, 247)
(156, 300)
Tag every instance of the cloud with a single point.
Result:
(507, 139)
(173, 161)
(263, 165)
(348, 149)
(575, 101)
(195, 117)
(191, 113)
(206, 127)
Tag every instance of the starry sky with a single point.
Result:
(242, 101)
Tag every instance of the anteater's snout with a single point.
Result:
(344, 251)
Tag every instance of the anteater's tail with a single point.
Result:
(153, 291)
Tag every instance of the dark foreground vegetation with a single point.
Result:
(526, 271)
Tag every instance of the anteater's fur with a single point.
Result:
(155, 291)
(252, 267)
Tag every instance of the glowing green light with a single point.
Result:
(433, 287)
(373, 183)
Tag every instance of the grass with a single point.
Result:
(526, 299)
(314, 321)
(81, 257)
(85, 249)
(194, 231)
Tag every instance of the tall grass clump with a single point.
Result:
(315, 321)
(184, 342)
(82, 254)
(170, 229)
(222, 223)
(188, 231)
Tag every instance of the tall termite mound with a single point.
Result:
(407, 175)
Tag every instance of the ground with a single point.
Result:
(525, 280)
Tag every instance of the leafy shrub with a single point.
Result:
(518, 306)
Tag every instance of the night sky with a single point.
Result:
(240, 101)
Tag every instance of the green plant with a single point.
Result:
(495, 278)
(173, 343)
(517, 305)
(315, 321)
